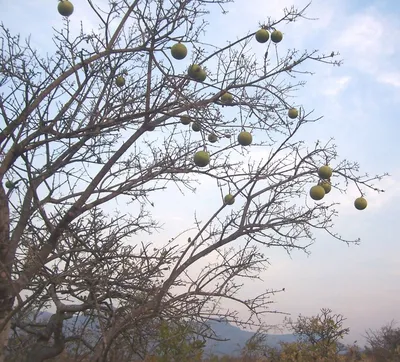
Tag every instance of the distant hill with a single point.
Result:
(236, 336)
(237, 339)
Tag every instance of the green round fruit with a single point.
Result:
(201, 158)
(229, 199)
(293, 113)
(317, 192)
(262, 36)
(325, 172)
(193, 70)
(9, 184)
(226, 98)
(201, 76)
(196, 127)
(179, 51)
(65, 8)
(185, 120)
(360, 203)
(327, 186)
(120, 81)
(245, 138)
(197, 73)
(276, 36)
(212, 138)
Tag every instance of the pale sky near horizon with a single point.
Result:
(359, 101)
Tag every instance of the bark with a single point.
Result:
(42, 351)
(6, 296)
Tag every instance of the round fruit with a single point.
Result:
(185, 120)
(9, 184)
(226, 98)
(293, 113)
(262, 36)
(276, 36)
(120, 81)
(179, 51)
(193, 70)
(201, 76)
(360, 203)
(195, 127)
(245, 138)
(65, 8)
(201, 158)
(325, 172)
(317, 192)
(229, 199)
(212, 138)
(327, 186)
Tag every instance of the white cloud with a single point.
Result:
(392, 78)
(335, 85)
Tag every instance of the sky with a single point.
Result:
(359, 102)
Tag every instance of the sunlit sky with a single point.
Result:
(359, 102)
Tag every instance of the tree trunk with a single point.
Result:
(6, 260)
(4, 334)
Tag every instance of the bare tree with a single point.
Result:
(383, 344)
(99, 122)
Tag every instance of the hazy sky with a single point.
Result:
(359, 101)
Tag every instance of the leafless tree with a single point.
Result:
(73, 143)
(384, 344)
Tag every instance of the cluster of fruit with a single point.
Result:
(262, 36)
(318, 192)
(197, 73)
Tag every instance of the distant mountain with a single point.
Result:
(236, 336)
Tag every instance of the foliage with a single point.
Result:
(176, 343)
(323, 331)
(318, 338)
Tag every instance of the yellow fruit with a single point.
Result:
(229, 199)
(293, 113)
(120, 81)
(327, 186)
(262, 36)
(245, 138)
(195, 127)
(276, 36)
(212, 138)
(226, 98)
(179, 51)
(317, 192)
(360, 203)
(65, 8)
(185, 120)
(325, 172)
(201, 158)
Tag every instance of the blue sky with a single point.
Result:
(359, 102)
